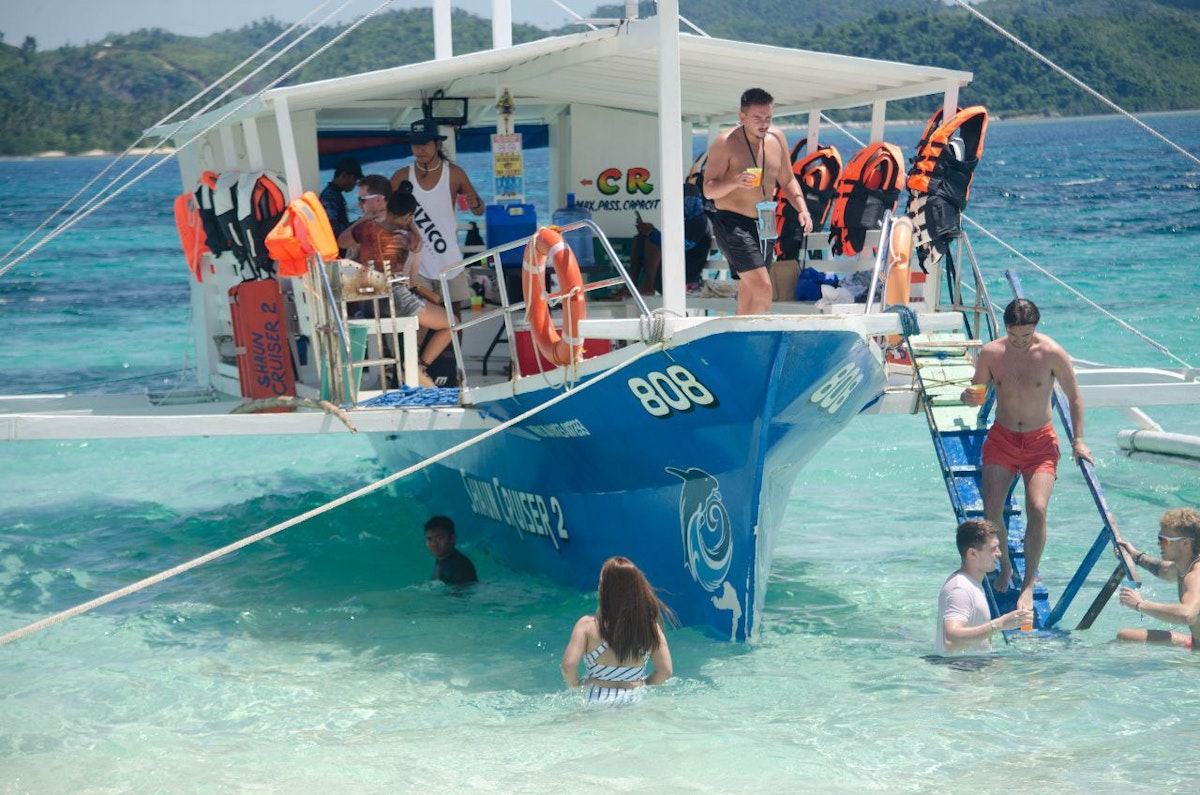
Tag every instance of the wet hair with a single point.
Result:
(1182, 521)
(1021, 312)
(973, 534)
(443, 523)
(629, 610)
(377, 184)
(756, 96)
(402, 203)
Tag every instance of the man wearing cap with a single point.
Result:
(346, 175)
(436, 184)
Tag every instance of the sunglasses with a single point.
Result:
(362, 199)
(1162, 539)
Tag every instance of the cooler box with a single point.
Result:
(509, 222)
(532, 362)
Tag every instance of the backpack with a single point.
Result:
(261, 200)
(867, 189)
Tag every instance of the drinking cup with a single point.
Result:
(756, 174)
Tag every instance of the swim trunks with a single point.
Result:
(1025, 453)
(737, 237)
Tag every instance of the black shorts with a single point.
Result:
(737, 237)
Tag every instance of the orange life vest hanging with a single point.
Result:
(939, 180)
(303, 231)
(817, 174)
(868, 187)
(191, 232)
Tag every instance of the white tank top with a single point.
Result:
(436, 218)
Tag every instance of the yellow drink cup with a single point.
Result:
(476, 303)
(755, 175)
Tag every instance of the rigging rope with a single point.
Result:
(1094, 93)
(84, 213)
(142, 584)
(164, 120)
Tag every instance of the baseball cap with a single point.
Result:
(423, 131)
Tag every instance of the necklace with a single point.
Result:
(428, 170)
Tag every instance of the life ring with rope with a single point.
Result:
(548, 244)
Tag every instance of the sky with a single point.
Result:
(54, 23)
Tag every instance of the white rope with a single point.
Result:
(195, 98)
(1079, 83)
(1154, 343)
(140, 585)
(84, 213)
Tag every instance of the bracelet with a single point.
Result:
(1138, 606)
(992, 624)
(1139, 557)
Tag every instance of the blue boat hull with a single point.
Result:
(682, 460)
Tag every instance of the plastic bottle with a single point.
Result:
(580, 240)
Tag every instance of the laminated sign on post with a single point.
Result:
(508, 169)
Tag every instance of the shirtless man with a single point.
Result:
(735, 190)
(1179, 540)
(1023, 366)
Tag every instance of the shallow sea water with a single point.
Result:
(322, 661)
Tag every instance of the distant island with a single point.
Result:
(1141, 54)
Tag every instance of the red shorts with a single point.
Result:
(1022, 453)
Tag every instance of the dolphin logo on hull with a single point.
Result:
(704, 527)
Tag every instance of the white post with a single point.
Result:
(950, 100)
(443, 44)
(878, 119)
(814, 131)
(670, 151)
(287, 142)
(501, 24)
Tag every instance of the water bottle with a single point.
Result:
(580, 240)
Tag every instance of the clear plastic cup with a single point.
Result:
(476, 303)
(756, 173)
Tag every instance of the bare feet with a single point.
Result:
(1004, 577)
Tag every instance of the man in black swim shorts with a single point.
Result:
(744, 165)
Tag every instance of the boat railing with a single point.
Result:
(490, 261)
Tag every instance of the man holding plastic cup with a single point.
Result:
(743, 167)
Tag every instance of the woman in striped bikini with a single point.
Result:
(621, 640)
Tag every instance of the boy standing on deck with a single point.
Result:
(1023, 366)
(964, 620)
(1179, 540)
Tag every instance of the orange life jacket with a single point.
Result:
(939, 180)
(302, 231)
(969, 125)
(191, 232)
(214, 237)
(262, 198)
(817, 174)
(868, 187)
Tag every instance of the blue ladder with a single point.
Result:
(943, 367)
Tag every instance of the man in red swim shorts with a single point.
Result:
(1023, 365)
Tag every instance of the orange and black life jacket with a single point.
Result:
(868, 187)
(817, 174)
(213, 235)
(939, 179)
(262, 198)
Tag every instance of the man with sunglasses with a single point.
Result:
(1179, 540)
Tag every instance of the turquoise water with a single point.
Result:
(322, 661)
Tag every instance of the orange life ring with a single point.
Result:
(899, 275)
(548, 244)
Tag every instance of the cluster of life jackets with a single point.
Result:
(231, 212)
(818, 173)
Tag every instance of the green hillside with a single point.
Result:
(1140, 53)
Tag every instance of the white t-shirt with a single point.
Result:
(962, 599)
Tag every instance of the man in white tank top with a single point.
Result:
(436, 183)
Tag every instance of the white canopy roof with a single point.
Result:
(614, 67)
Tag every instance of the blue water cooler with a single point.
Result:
(504, 224)
(580, 240)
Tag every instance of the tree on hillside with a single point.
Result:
(28, 50)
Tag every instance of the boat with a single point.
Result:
(676, 438)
